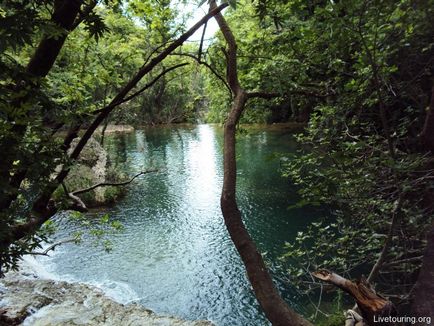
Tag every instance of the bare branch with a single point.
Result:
(369, 302)
(52, 247)
(79, 206)
(112, 184)
(379, 263)
(155, 51)
(304, 92)
(411, 260)
(199, 61)
(201, 42)
(263, 95)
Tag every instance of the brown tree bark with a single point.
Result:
(65, 13)
(274, 307)
(371, 304)
(427, 134)
(423, 292)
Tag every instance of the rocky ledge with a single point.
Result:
(27, 299)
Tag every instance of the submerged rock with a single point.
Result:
(26, 299)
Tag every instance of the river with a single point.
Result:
(174, 255)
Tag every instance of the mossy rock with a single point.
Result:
(92, 167)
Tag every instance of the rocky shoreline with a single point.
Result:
(30, 299)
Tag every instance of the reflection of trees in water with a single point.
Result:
(117, 147)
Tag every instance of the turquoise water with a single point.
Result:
(174, 255)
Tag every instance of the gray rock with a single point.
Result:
(31, 301)
(91, 168)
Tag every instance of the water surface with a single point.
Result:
(175, 256)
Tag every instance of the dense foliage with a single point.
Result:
(361, 73)
(363, 154)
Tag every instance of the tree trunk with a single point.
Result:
(274, 307)
(427, 134)
(423, 293)
(64, 15)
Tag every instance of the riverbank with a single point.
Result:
(33, 297)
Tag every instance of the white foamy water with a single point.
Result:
(42, 268)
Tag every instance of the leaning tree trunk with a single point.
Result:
(64, 15)
(274, 307)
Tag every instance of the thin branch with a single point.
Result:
(155, 51)
(201, 41)
(378, 87)
(304, 92)
(79, 206)
(165, 71)
(113, 184)
(52, 247)
(263, 95)
(404, 261)
(379, 263)
(199, 61)
(319, 302)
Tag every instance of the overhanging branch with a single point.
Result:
(52, 247)
(150, 84)
(80, 206)
(111, 184)
(303, 92)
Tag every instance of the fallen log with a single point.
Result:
(372, 305)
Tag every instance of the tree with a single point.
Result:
(274, 307)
